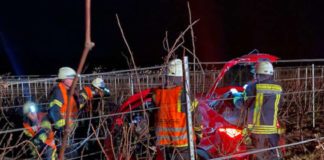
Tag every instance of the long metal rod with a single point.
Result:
(189, 116)
(306, 80)
(313, 96)
(88, 45)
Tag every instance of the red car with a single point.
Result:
(222, 132)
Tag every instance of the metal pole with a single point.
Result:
(306, 78)
(131, 84)
(189, 117)
(80, 83)
(298, 76)
(313, 97)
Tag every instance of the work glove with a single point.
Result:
(237, 97)
(104, 90)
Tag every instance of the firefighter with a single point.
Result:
(263, 98)
(39, 129)
(59, 102)
(171, 127)
(97, 89)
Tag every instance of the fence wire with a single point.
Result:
(296, 81)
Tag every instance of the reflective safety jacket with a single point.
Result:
(40, 130)
(58, 106)
(86, 97)
(171, 125)
(264, 100)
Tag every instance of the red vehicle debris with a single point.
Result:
(222, 134)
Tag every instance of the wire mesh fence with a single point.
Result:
(301, 113)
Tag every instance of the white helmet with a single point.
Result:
(66, 72)
(29, 107)
(175, 68)
(98, 83)
(264, 67)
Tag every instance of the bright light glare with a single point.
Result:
(234, 90)
(33, 109)
(232, 132)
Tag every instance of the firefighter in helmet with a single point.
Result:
(59, 102)
(171, 124)
(97, 89)
(263, 99)
(39, 129)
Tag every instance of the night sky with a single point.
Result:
(39, 36)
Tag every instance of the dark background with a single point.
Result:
(39, 36)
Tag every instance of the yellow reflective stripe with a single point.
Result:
(179, 103)
(60, 123)
(275, 120)
(53, 156)
(194, 105)
(42, 137)
(257, 109)
(84, 95)
(182, 145)
(56, 102)
(46, 124)
(260, 108)
(271, 87)
(263, 129)
(28, 133)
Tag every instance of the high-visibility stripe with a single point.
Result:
(89, 92)
(162, 129)
(46, 124)
(60, 123)
(28, 133)
(194, 104)
(260, 101)
(74, 109)
(263, 129)
(256, 126)
(276, 108)
(176, 138)
(55, 102)
(171, 123)
(53, 156)
(179, 106)
(269, 87)
(84, 95)
(42, 137)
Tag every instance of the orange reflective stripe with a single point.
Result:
(74, 109)
(50, 140)
(29, 129)
(89, 92)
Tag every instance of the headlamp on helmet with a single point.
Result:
(30, 107)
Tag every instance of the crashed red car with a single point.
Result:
(222, 132)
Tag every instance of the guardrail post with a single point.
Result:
(189, 117)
